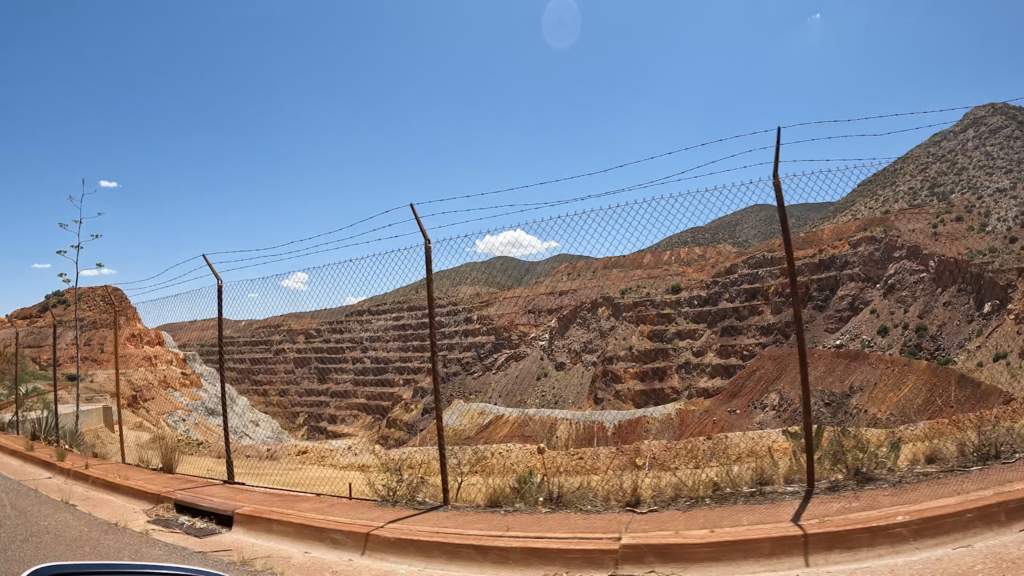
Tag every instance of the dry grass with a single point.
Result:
(167, 451)
(145, 459)
(647, 475)
(401, 476)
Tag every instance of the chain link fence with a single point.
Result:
(641, 356)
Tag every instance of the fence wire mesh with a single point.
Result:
(638, 356)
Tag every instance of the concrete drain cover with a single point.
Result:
(189, 528)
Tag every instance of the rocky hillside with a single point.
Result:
(850, 387)
(497, 273)
(744, 228)
(976, 162)
(161, 385)
(96, 321)
(624, 333)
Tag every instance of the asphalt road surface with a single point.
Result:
(36, 529)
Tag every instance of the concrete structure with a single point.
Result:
(91, 416)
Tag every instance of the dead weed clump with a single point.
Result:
(400, 476)
(984, 438)
(168, 452)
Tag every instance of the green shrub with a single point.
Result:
(980, 364)
(71, 377)
(1012, 239)
(999, 355)
(912, 352)
(970, 228)
(944, 361)
(959, 218)
(906, 326)
(873, 310)
(676, 288)
(978, 332)
(883, 330)
(992, 249)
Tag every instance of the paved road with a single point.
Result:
(36, 529)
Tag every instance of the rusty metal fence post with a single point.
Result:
(117, 373)
(442, 450)
(17, 355)
(798, 317)
(56, 403)
(228, 462)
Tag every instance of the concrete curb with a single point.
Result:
(752, 548)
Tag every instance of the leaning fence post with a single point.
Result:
(228, 462)
(56, 404)
(117, 373)
(442, 450)
(17, 355)
(798, 317)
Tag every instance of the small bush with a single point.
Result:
(883, 330)
(970, 228)
(676, 288)
(144, 459)
(935, 225)
(1012, 239)
(168, 451)
(906, 326)
(999, 355)
(978, 332)
(980, 364)
(873, 310)
(30, 446)
(400, 478)
(992, 249)
(71, 377)
(60, 453)
(958, 218)
(944, 361)
(983, 438)
(912, 352)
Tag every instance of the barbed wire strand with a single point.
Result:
(592, 173)
(894, 115)
(472, 220)
(536, 205)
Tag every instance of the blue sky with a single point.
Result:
(235, 125)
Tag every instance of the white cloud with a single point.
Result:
(297, 281)
(97, 272)
(513, 243)
(105, 184)
(814, 17)
(354, 300)
(40, 265)
(254, 295)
